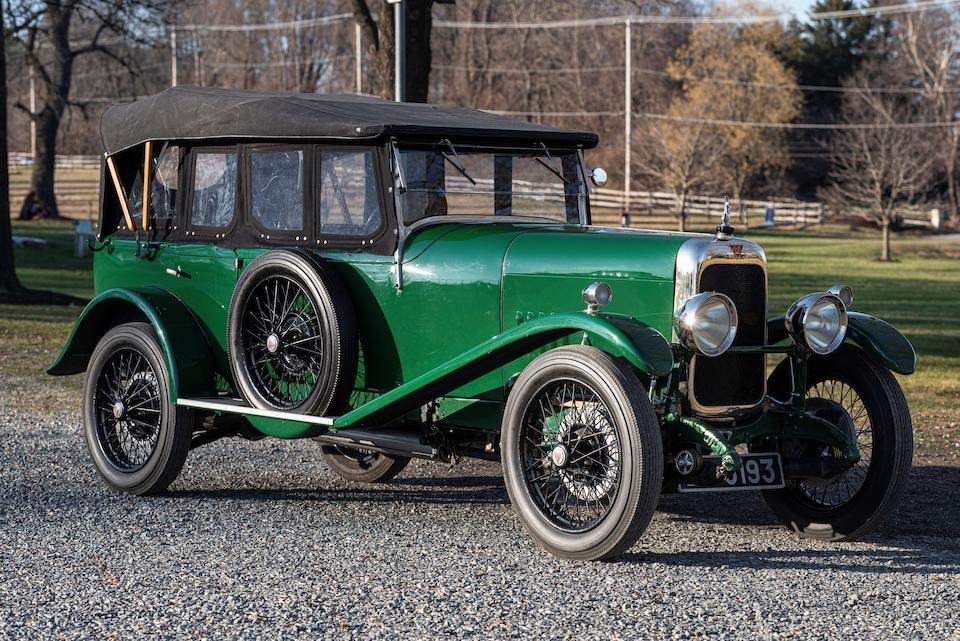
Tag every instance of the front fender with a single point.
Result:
(876, 337)
(643, 347)
(185, 349)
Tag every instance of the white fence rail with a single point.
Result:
(19, 159)
(638, 208)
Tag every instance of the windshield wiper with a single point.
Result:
(552, 170)
(455, 161)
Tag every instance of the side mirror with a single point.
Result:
(598, 176)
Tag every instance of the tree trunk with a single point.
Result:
(952, 190)
(56, 94)
(8, 273)
(419, 25)
(44, 167)
(682, 213)
(379, 36)
(885, 254)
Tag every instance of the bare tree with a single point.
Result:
(877, 165)
(681, 155)
(931, 51)
(53, 35)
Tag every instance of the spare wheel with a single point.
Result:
(292, 335)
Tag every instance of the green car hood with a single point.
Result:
(545, 270)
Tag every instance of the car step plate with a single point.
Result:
(760, 471)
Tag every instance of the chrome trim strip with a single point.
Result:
(693, 257)
(238, 406)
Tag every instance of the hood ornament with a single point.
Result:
(724, 230)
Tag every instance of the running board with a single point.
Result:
(238, 406)
(395, 441)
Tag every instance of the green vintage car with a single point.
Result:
(401, 281)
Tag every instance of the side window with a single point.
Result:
(214, 188)
(133, 186)
(349, 204)
(163, 189)
(276, 188)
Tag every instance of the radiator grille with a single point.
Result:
(734, 379)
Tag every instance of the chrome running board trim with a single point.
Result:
(238, 406)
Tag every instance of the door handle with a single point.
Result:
(176, 272)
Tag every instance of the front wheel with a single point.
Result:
(582, 453)
(863, 398)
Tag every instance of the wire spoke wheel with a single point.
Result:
(128, 409)
(571, 455)
(844, 408)
(282, 341)
(860, 397)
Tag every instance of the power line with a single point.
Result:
(548, 114)
(522, 70)
(717, 81)
(731, 123)
(688, 20)
(801, 125)
(309, 22)
(808, 88)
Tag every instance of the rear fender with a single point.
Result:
(642, 346)
(185, 349)
(879, 339)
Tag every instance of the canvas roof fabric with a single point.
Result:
(205, 113)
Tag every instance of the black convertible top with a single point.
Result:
(192, 113)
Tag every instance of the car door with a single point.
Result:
(198, 263)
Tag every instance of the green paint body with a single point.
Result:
(469, 291)
(478, 303)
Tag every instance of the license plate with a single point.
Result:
(760, 471)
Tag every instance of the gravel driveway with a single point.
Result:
(260, 540)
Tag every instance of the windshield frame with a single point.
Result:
(405, 230)
(532, 150)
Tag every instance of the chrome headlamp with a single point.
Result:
(818, 322)
(707, 323)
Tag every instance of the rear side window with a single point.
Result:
(276, 188)
(349, 203)
(163, 188)
(214, 189)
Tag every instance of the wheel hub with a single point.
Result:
(119, 410)
(560, 456)
(685, 462)
(588, 442)
(273, 343)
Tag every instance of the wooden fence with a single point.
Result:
(657, 210)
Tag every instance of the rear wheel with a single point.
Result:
(864, 399)
(364, 466)
(582, 453)
(138, 440)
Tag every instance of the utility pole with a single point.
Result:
(399, 53)
(358, 62)
(173, 56)
(627, 115)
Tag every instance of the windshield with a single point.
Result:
(454, 180)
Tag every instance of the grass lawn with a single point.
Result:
(920, 294)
